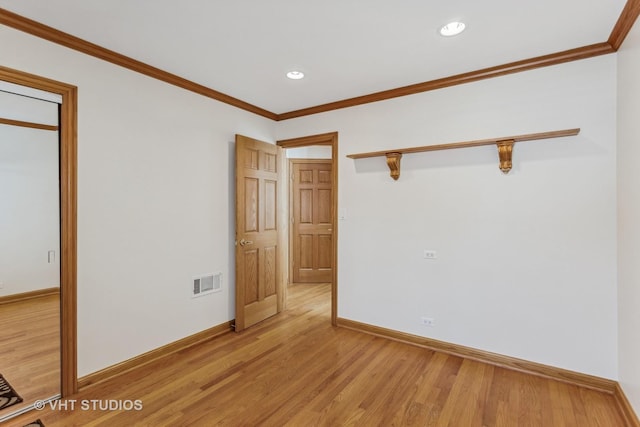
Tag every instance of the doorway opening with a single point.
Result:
(312, 206)
(67, 259)
(29, 247)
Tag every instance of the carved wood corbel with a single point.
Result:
(393, 161)
(505, 153)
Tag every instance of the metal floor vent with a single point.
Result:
(208, 284)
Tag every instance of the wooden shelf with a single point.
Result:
(504, 145)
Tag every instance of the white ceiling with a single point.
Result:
(347, 48)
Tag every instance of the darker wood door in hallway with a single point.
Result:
(312, 246)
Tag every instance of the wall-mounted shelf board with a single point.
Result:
(504, 144)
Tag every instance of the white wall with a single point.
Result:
(29, 197)
(526, 262)
(310, 152)
(154, 201)
(628, 215)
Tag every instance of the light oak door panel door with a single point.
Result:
(312, 246)
(257, 288)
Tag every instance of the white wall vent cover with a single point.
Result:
(208, 284)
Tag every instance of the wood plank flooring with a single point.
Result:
(30, 348)
(297, 370)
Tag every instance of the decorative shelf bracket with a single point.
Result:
(393, 161)
(505, 153)
(504, 144)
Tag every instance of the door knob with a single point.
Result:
(246, 242)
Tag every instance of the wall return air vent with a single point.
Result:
(207, 284)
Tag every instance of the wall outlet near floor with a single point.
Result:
(428, 321)
(1, 284)
(429, 254)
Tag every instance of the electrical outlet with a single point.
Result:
(428, 254)
(1, 284)
(428, 321)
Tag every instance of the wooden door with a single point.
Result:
(312, 245)
(257, 279)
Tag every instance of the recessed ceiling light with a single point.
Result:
(295, 75)
(452, 29)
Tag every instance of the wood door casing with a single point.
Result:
(329, 139)
(257, 252)
(68, 217)
(312, 221)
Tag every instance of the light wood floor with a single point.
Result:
(30, 349)
(297, 370)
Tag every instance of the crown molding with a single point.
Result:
(485, 73)
(623, 26)
(37, 29)
(625, 23)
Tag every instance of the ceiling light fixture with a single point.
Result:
(295, 75)
(452, 29)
